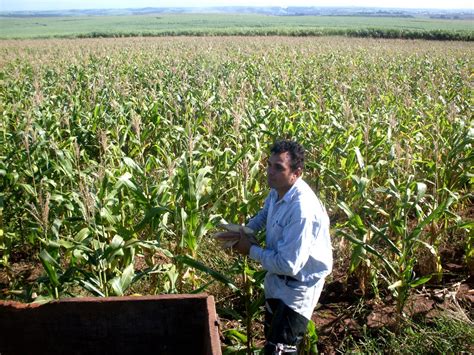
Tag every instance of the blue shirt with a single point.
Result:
(298, 245)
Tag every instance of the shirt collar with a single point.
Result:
(288, 196)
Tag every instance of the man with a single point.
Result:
(297, 254)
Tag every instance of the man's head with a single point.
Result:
(285, 165)
(295, 150)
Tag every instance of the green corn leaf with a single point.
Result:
(81, 235)
(235, 334)
(68, 275)
(125, 180)
(468, 225)
(312, 338)
(437, 213)
(420, 281)
(184, 259)
(121, 283)
(50, 265)
(91, 287)
(150, 215)
(29, 189)
(370, 249)
(133, 165)
(117, 242)
(202, 288)
(109, 216)
(256, 306)
(347, 210)
(66, 166)
(139, 194)
(231, 313)
(114, 249)
(360, 159)
(356, 221)
(66, 244)
(386, 238)
(356, 257)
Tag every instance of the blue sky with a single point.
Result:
(13, 5)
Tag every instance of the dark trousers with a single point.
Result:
(284, 328)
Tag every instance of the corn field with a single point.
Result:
(118, 158)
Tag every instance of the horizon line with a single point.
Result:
(241, 6)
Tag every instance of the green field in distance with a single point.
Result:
(228, 24)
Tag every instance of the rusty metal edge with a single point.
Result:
(19, 305)
(213, 327)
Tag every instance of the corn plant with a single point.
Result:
(398, 234)
(138, 148)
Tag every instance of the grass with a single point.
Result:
(442, 335)
(219, 24)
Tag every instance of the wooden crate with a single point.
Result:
(167, 324)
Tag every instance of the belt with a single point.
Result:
(287, 278)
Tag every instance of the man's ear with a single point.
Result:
(298, 172)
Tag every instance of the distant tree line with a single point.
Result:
(438, 35)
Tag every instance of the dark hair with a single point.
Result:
(295, 150)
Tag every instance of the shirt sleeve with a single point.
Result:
(292, 250)
(260, 219)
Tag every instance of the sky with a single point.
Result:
(27, 5)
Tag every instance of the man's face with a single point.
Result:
(279, 173)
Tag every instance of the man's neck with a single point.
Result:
(282, 192)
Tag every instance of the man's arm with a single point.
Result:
(293, 249)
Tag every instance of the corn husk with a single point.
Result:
(226, 241)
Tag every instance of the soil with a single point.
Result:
(344, 311)
(22, 270)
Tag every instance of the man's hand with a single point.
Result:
(243, 246)
(237, 237)
(227, 239)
